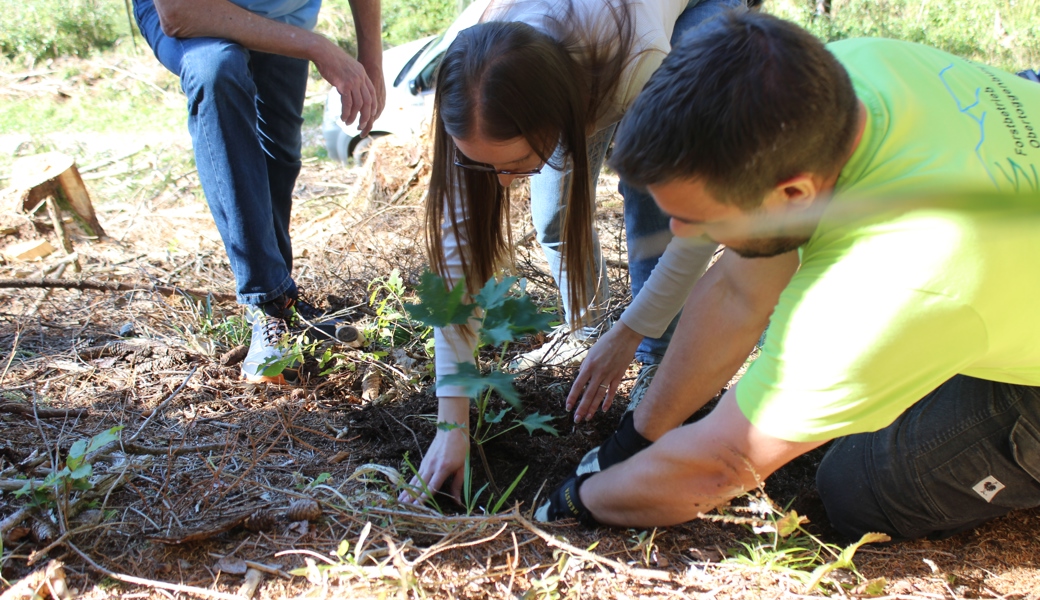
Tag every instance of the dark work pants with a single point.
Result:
(964, 454)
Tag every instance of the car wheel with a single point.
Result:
(361, 146)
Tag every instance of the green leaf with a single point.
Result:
(395, 283)
(320, 479)
(521, 315)
(342, 549)
(446, 426)
(509, 491)
(789, 523)
(437, 306)
(76, 454)
(81, 472)
(496, 335)
(875, 587)
(103, 438)
(494, 293)
(473, 383)
(498, 417)
(274, 366)
(536, 421)
(22, 491)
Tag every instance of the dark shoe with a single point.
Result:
(269, 343)
(620, 446)
(325, 328)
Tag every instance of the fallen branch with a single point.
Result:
(106, 286)
(171, 450)
(618, 567)
(162, 585)
(43, 413)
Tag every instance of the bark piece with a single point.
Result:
(29, 250)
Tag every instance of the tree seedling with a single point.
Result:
(500, 312)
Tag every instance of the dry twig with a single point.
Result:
(107, 286)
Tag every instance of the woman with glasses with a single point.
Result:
(536, 90)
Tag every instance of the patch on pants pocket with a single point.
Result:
(988, 488)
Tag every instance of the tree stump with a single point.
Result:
(54, 176)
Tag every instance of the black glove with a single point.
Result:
(621, 445)
(565, 503)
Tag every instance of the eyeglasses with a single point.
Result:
(462, 161)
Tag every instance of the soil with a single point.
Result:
(208, 465)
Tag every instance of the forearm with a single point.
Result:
(724, 316)
(368, 26)
(662, 485)
(222, 19)
(664, 292)
(454, 411)
(689, 471)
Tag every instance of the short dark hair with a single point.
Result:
(744, 102)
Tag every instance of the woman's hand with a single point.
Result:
(602, 371)
(446, 457)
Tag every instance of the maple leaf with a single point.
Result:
(437, 306)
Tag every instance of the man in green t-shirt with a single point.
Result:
(880, 204)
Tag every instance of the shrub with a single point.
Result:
(403, 20)
(1002, 33)
(42, 29)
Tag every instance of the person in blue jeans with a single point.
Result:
(243, 66)
(536, 90)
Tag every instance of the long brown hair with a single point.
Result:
(504, 80)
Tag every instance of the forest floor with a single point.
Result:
(212, 481)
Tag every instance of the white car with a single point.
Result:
(409, 71)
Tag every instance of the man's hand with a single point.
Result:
(565, 503)
(358, 92)
(601, 372)
(359, 82)
(446, 457)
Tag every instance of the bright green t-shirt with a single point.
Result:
(926, 263)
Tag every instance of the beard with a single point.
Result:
(767, 247)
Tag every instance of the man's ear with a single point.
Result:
(798, 192)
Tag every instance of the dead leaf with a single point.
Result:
(232, 565)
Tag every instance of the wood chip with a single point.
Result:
(252, 581)
(28, 250)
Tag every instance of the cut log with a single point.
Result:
(54, 175)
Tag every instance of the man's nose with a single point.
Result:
(680, 229)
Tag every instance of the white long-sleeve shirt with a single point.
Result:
(683, 261)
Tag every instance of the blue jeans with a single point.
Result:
(646, 227)
(964, 454)
(245, 113)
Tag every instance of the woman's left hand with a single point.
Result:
(601, 372)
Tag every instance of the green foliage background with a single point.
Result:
(34, 30)
(1002, 33)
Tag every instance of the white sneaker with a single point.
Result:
(562, 349)
(641, 386)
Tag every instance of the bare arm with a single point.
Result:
(353, 79)
(690, 470)
(723, 318)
